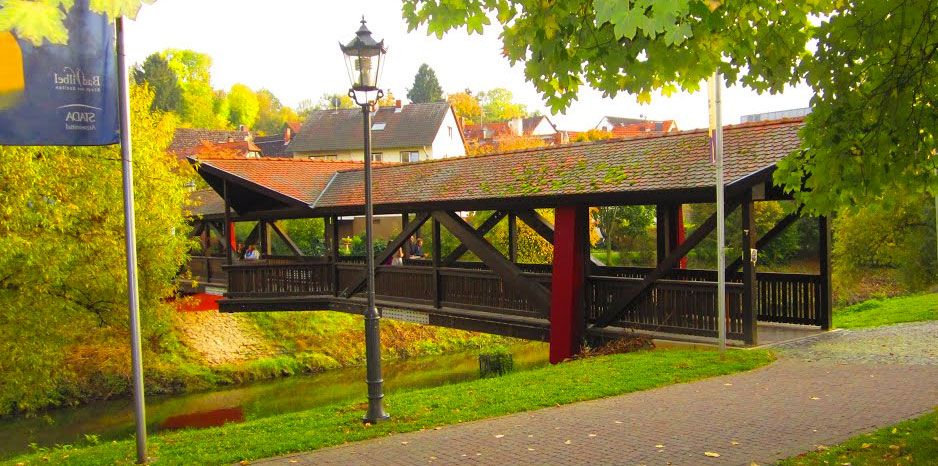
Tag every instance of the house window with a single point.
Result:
(410, 156)
(377, 156)
(450, 128)
(378, 126)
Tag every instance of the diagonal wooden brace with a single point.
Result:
(394, 245)
(486, 226)
(665, 266)
(535, 293)
(286, 239)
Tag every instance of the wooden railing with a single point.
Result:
(684, 302)
(685, 307)
(208, 269)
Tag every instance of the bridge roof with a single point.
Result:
(671, 167)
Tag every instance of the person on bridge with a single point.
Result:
(417, 251)
(398, 257)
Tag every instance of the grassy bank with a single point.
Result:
(417, 409)
(887, 311)
(913, 442)
(296, 343)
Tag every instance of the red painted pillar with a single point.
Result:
(567, 281)
(232, 238)
(676, 220)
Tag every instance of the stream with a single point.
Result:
(113, 420)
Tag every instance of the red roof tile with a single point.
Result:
(666, 161)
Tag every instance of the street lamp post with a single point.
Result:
(363, 56)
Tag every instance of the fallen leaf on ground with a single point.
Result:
(530, 449)
(591, 435)
(712, 454)
(567, 442)
(499, 435)
(734, 442)
(822, 448)
(866, 445)
(893, 447)
(815, 398)
(618, 422)
(659, 446)
(727, 385)
(404, 443)
(895, 430)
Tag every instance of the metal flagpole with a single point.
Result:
(131, 246)
(717, 123)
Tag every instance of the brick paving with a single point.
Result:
(822, 391)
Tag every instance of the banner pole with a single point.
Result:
(131, 246)
(721, 217)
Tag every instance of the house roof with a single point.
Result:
(644, 127)
(299, 179)
(221, 149)
(294, 126)
(502, 128)
(187, 138)
(206, 202)
(619, 121)
(599, 172)
(414, 125)
(661, 162)
(272, 146)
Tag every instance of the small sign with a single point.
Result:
(62, 95)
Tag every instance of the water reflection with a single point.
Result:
(114, 419)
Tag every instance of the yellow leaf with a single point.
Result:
(659, 446)
(866, 445)
(567, 442)
(712, 454)
(499, 435)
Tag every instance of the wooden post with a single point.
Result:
(229, 226)
(662, 232)
(334, 252)
(264, 238)
(512, 238)
(750, 311)
(437, 257)
(567, 318)
(825, 298)
(676, 230)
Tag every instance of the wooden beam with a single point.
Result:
(437, 252)
(532, 291)
(750, 311)
(484, 228)
(767, 238)
(394, 245)
(512, 237)
(663, 268)
(825, 299)
(286, 239)
(229, 253)
(538, 223)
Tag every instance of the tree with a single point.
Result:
(617, 223)
(466, 106)
(189, 65)
(874, 73)
(243, 105)
(45, 21)
(426, 88)
(63, 285)
(156, 73)
(504, 144)
(199, 107)
(592, 135)
(271, 113)
(498, 105)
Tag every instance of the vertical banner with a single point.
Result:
(63, 95)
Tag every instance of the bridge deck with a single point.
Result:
(469, 296)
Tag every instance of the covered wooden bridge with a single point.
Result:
(573, 298)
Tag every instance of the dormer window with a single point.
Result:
(378, 126)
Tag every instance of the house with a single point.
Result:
(206, 149)
(538, 125)
(628, 127)
(185, 140)
(276, 145)
(402, 133)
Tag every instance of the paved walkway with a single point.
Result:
(808, 398)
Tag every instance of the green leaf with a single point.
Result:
(34, 21)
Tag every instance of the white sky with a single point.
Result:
(291, 48)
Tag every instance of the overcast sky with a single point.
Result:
(291, 48)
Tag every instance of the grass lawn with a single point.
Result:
(876, 312)
(417, 409)
(913, 442)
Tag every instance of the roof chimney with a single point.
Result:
(243, 128)
(516, 126)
